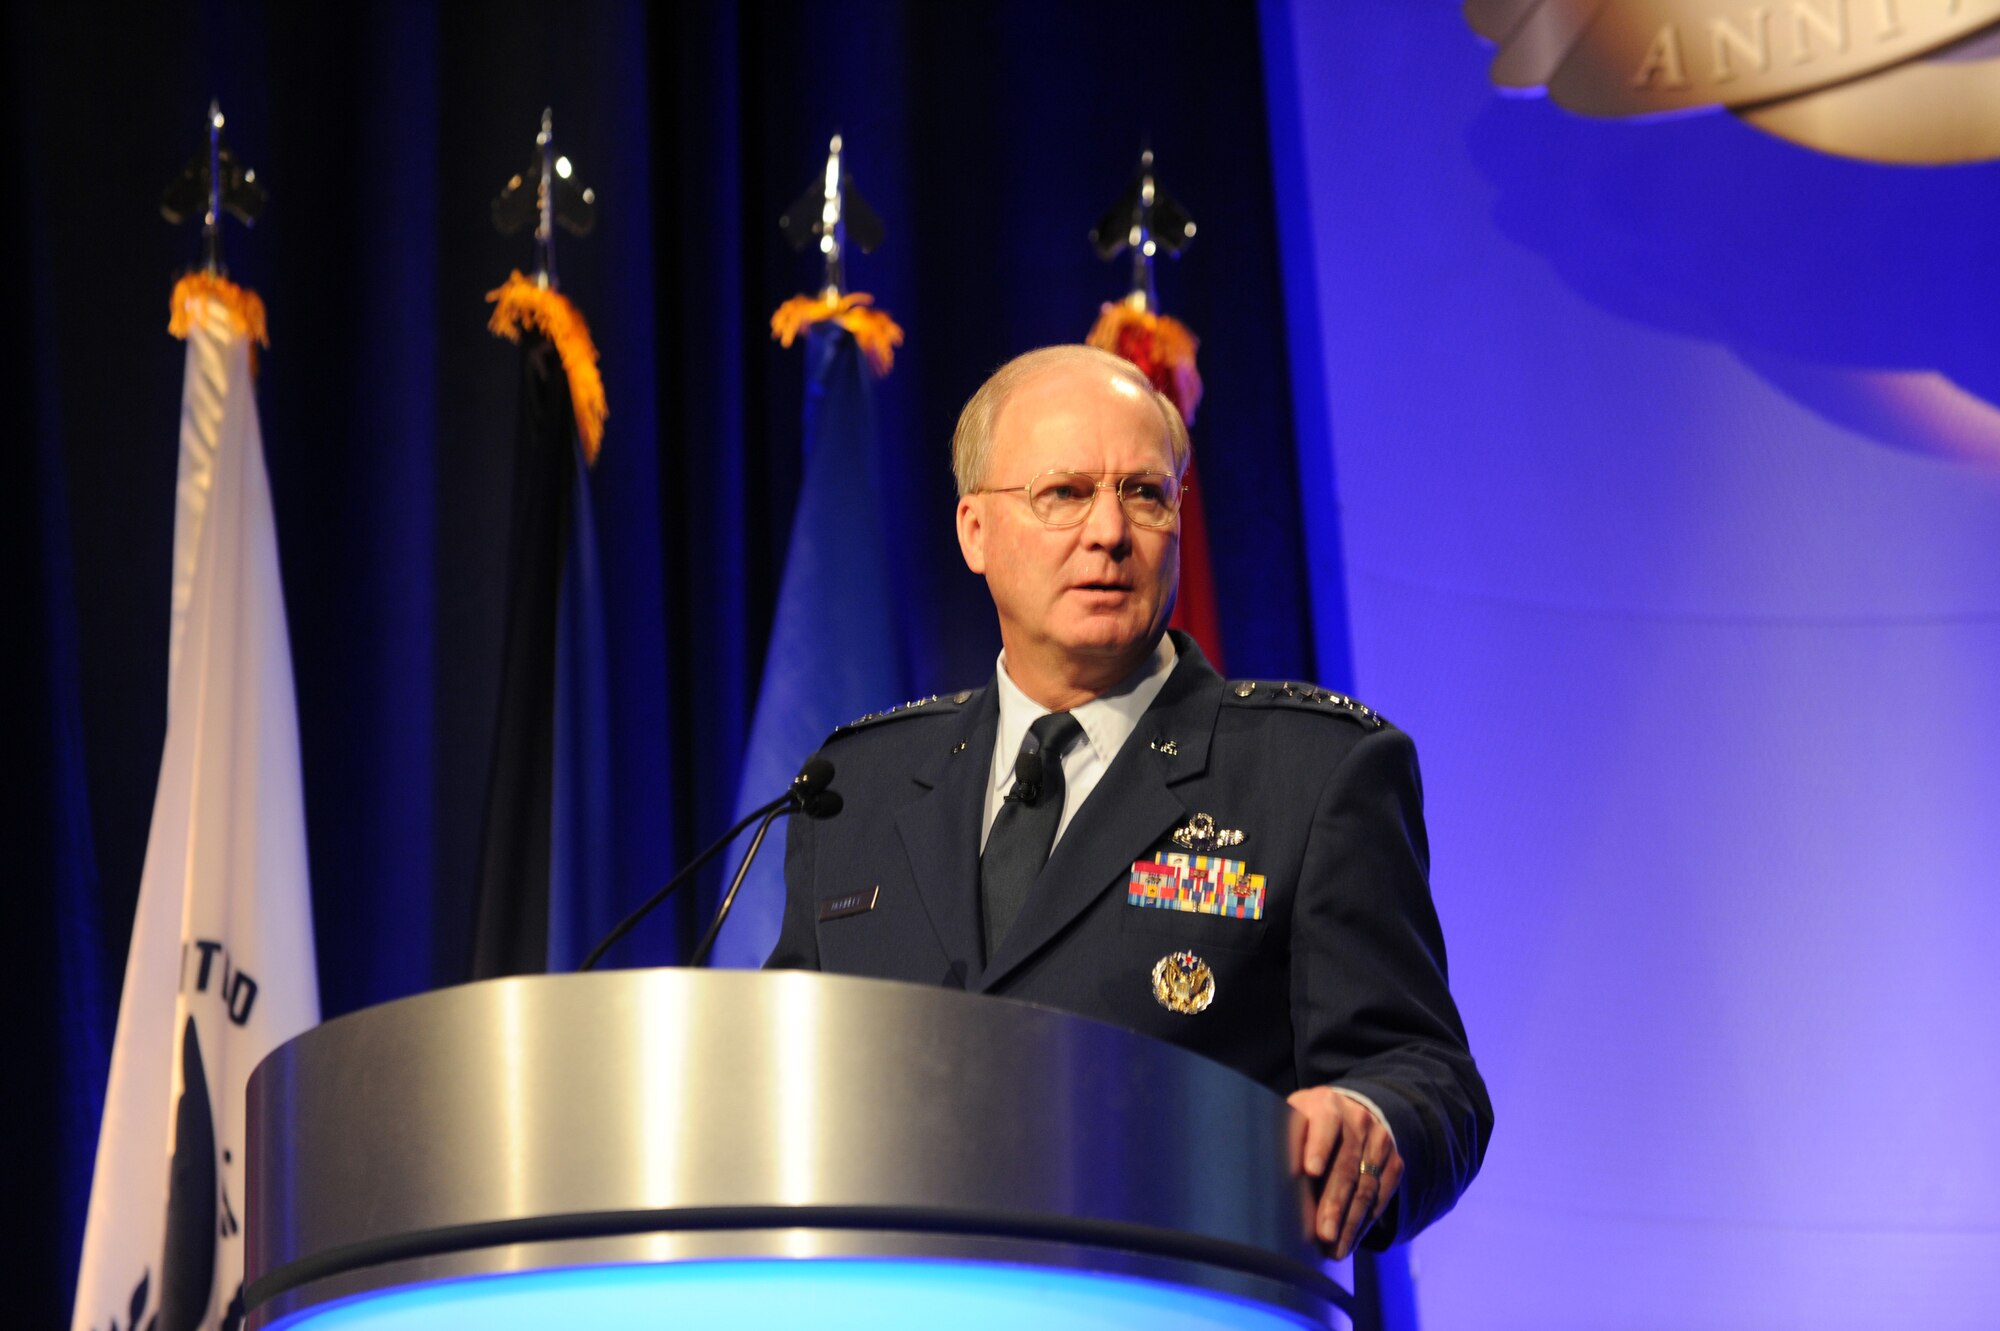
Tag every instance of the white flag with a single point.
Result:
(221, 966)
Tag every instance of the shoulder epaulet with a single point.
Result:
(1310, 697)
(937, 702)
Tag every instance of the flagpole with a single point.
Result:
(211, 222)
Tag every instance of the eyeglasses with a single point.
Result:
(1064, 498)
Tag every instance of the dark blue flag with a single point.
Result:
(836, 647)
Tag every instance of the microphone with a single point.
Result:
(1027, 777)
(808, 793)
(809, 788)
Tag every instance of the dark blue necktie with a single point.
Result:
(1023, 833)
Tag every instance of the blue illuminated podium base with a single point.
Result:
(878, 1294)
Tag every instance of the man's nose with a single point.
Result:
(1106, 527)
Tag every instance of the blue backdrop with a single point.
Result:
(1669, 471)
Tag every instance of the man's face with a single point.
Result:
(1075, 602)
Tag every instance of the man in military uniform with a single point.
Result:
(1111, 828)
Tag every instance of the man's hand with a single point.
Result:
(1332, 1136)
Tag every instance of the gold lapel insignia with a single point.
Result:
(1166, 747)
(1183, 983)
(1202, 836)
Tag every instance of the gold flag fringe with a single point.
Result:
(518, 303)
(195, 299)
(1159, 344)
(874, 331)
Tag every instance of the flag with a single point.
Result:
(582, 902)
(221, 967)
(1164, 349)
(544, 890)
(1196, 610)
(836, 647)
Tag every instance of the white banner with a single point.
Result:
(221, 964)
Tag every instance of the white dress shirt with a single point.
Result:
(1108, 720)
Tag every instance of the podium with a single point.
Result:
(697, 1149)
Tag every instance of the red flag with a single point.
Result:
(1164, 348)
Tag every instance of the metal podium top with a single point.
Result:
(671, 1115)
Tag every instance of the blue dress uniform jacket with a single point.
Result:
(1341, 981)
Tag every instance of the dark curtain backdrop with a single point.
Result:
(988, 136)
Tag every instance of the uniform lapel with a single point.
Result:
(1133, 806)
(940, 830)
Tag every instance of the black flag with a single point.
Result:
(513, 887)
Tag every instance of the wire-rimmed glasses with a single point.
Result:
(1064, 498)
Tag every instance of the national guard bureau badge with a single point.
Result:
(1183, 983)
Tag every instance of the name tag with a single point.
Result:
(854, 903)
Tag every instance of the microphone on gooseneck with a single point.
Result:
(811, 789)
(808, 794)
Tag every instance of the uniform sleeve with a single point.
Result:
(798, 934)
(1370, 1006)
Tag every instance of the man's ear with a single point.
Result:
(971, 535)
